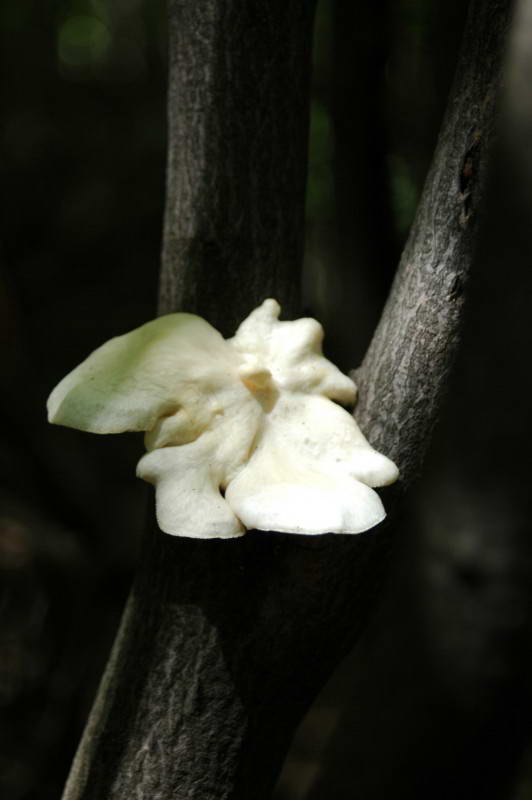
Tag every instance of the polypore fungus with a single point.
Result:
(240, 433)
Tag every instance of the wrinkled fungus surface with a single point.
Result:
(241, 433)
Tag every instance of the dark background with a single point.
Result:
(438, 685)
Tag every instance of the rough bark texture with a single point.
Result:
(182, 711)
(407, 365)
(225, 643)
(238, 122)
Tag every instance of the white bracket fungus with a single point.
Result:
(240, 433)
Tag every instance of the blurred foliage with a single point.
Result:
(405, 193)
(320, 189)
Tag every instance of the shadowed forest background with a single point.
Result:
(440, 682)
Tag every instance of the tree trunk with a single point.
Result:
(238, 107)
(225, 643)
(182, 710)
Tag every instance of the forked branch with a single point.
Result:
(225, 644)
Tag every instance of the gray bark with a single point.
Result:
(238, 113)
(407, 365)
(225, 643)
(190, 640)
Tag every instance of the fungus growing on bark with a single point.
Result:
(241, 433)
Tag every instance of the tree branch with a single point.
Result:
(407, 365)
(225, 643)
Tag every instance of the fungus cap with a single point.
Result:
(241, 433)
